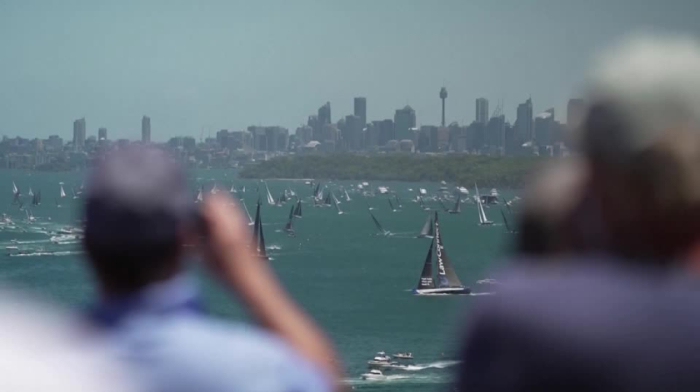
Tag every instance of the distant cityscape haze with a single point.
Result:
(198, 68)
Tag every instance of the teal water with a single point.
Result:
(354, 283)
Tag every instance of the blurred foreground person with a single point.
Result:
(43, 350)
(622, 315)
(139, 214)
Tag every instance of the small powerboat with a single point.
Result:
(403, 356)
(373, 374)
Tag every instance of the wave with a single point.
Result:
(39, 254)
(273, 247)
(481, 294)
(402, 378)
(432, 365)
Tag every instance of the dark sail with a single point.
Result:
(328, 199)
(505, 221)
(431, 231)
(36, 200)
(507, 205)
(288, 227)
(391, 205)
(398, 202)
(457, 203)
(426, 277)
(256, 227)
(446, 275)
(317, 193)
(297, 211)
(263, 251)
(376, 223)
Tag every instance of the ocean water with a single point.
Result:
(355, 283)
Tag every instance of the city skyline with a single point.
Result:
(236, 64)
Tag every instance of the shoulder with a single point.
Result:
(198, 353)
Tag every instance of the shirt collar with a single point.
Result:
(178, 293)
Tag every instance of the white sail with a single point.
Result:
(482, 214)
(250, 219)
(270, 199)
(31, 192)
(233, 189)
(63, 192)
(200, 196)
(214, 190)
(15, 190)
(347, 197)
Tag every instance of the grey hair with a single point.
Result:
(652, 84)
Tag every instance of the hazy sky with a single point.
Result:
(193, 65)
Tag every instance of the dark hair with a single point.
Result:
(125, 264)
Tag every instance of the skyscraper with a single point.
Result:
(523, 122)
(360, 111)
(404, 121)
(443, 96)
(79, 134)
(482, 110)
(146, 129)
(102, 134)
(324, 114)
(544, 127)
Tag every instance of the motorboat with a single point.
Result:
(403, 356)
(381, 356)
(374, 374)
(383, 190)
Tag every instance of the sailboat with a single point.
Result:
(328, 201)
(335, 204)
(380, 229)
(62, 194)
(233, 189)
(30, 216)
(446, 281)
(392, 206)
(258, 235)
(214, 190)
(505, 222)
(16, 194)
(200, 195)
(270, 199)
(297, 210)
(250, 220)
(483, 221)
(457, 209)
(427, 230)
(288, 227)
(36, 199)
(317, 192)
(347, 197)
(398, 201)
(243, 189)
(31, 192)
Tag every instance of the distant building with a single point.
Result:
(146, 129)
(477, 136)
(406, 146)
(544, 125)
(102, 134)
(239, 140)
(360, 106)
(352, 133)
(495, 131)
(482, 110)
(222, 138)
(79, 134)
(523, 122)
(443, 96)
(385, 132)
(404, 121)
(324, 114)
(305, 134)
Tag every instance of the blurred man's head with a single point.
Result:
(137, 213)
(642, 137)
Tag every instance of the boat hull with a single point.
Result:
(443, 291)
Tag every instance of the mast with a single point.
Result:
(347, 197)
(391, 205)
(337, 207)
(505, 221)
(457, 204)
(426, 276)
(377, 224)
(445, 273)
